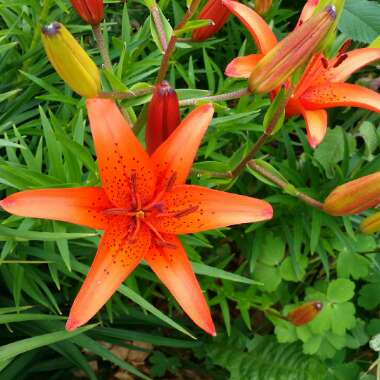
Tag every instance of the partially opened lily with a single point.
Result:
(142, 205)
(322, 84)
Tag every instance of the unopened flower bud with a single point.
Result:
(70, 61)
(307, 11)
(305, 313)
(371, 224)
(163, 116)
(217, 13)
(262, 6)
(354, 197)
(291, 53)
(90, 11)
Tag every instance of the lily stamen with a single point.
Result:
(169, 186)
(340, 60)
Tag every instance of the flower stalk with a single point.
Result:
(173, 39)
(102, 46)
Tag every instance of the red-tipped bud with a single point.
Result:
(354, 197)
(263, 6)
(305, 313)
(217, 13)
(90, 11)
(163, 116)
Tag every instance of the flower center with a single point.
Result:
(140, 213)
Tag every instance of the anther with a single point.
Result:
(325, 63)
(171, 182)
(118, 211)
(344, 47)
(186, 212)
(340, 59)
(165, 244)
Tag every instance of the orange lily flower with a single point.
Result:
(142, 205)
(322, 83)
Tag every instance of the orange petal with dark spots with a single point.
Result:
(82, 205)
(115, 259)
(173, 268)
(316, 126)
(255, 24)
(177, 153)
(331, 95)
(191, 209)
(241, 67)
(120, 154)
(356, 59)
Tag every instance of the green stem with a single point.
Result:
(126, 95)
(263, 138)
(269, 175)
(284, 185)
(215, 98)
(102, 47)
(159, 26)
(173, 39)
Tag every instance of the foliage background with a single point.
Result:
(300, 255)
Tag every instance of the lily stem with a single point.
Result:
(222, 97)
(284, 185)
(269, 175)
(263, 138)
(173, 39)
(159, 26)
(127, 94)
(102, 47)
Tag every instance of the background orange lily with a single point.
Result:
(142, 205)
(322, 84)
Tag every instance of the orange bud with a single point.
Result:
(307, 11)
(163, 116)
(262, 6)
(354, 197)
(90, 11)
(215, 11)
(291, 53)
(371, 224)
(305, 313)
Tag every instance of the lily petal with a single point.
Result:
(255, 24)
(191, 209)
(177, 153)
(82, 206)
(173, 268)
(120, 154)
(316, 125)
(241, 67)
(331, 95)
(356, 59)
(115, 259)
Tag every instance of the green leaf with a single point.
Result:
(11, 350)
(331, 150)
(369, 296)
(340, 290)
(352, 264)
(360, 20)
